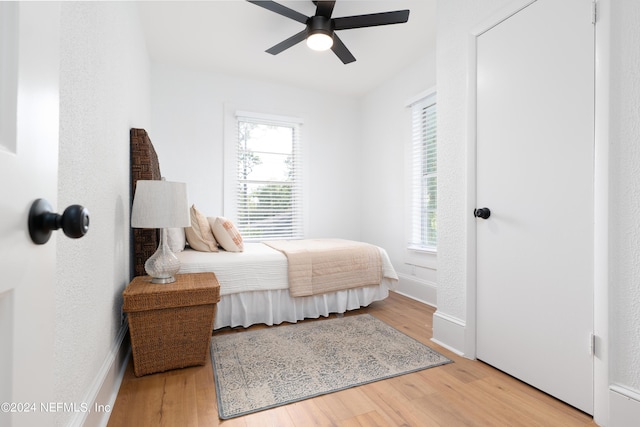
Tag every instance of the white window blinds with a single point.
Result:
(268, 180)
(424, 174)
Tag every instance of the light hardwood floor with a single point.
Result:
(463, 393)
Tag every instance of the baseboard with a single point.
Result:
(624, 407)
(448, 332)
(417, 289)
(104, 389)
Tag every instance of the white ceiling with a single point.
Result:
(231, 36)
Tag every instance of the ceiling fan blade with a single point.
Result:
(371, 20)
(325, 8)
(281, 10)
(293, 40)
(341, 50)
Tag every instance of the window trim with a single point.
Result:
(425, 98)
(230, 165)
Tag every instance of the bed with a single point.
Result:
(257, 284)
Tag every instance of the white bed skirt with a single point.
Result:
(276, 306)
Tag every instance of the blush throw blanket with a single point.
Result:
(318, 266)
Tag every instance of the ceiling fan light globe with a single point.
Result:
(319, 41)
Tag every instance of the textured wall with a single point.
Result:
(188, 133)
(456, 20)
(355, 148)
(624, 260)
(104, 91)
(386, 174)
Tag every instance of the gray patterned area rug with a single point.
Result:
(265, 368)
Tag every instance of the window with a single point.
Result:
(424, 174)
(268, 190)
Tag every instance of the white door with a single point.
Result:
(29, 118)
(535, 119)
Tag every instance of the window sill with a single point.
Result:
(421, 257)
(419, 249)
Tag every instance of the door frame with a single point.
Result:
(601, 196)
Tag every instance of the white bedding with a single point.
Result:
(257, 268)
(254, 287)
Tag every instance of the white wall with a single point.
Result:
(355, 155)
(620, 335)
(455, 22)
(624, 212)
(104, 90)
(187, 132)
(386, 150)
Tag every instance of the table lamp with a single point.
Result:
(161, 204)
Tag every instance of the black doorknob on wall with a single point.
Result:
(483, 213)
(74, 221)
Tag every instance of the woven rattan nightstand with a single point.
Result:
(171, 324)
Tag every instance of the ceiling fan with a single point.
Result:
(320, 28)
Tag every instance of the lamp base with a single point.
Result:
(163, 264)
(163, 280)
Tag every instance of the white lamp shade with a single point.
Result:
(160, 204)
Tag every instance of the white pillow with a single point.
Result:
(176, 239)
(199, 235)
(226, 234)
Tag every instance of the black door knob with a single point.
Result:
(483, 213)
(74, 221)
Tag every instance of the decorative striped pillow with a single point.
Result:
(226, 234)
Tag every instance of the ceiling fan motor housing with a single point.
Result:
(319, 25)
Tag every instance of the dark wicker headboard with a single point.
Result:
(144, 165)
